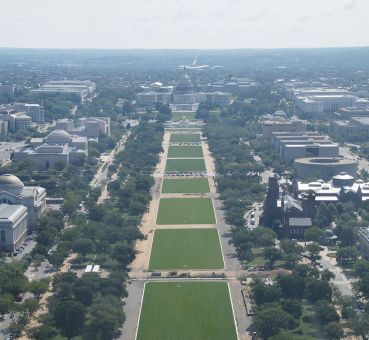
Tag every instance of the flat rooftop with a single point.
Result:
(324, 160)
(9, 212)
(361, 120)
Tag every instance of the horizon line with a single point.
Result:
(182, 49)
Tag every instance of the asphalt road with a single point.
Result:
(132, 309)
(344, 151)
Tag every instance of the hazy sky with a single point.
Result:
(183, 23)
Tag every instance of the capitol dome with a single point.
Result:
(184, 84)
(58, 137)
(11, 184)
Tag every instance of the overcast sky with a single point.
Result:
(183, 23)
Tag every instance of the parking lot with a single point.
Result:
(25, 248)
(252, 217)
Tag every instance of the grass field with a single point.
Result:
(185, 138)
(185, 165)
(185, 151)
(186, 311)
(179, 115)
(185, 185)
(186, 211)
(186, 249)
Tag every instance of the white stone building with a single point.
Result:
(13, 226)
(58, 146)
(14, 192)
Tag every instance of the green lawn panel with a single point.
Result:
(185, 165)
(186, 249)
(185, 186)
(186, 311)
(185, 151)
(185, 211)
(185, 137)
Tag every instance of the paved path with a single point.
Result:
(101, 174)
(341, 281)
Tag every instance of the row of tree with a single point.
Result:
(91, 306)
(280, 305)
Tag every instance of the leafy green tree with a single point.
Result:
(263, 237)
(29, 306)
(56, 258)
(286, 335)
(317, 290)
(265, 293)
(272, 254)
(313, 249)
(325, 215)
(84, 295)
(6, 303)
(71, 203)
(361, 267)
(293, 307)
(64, 283)
(305, 271)
(37, 288)
(290, 247)
(326, 312)
(270, 321)
(12, 279)
(43, 332)
(291, 259)
(313, 234)
(292, 286)
(347, 254)
(348, 306)
(327, 275)
(69, 317)
(348, 236)
(84, 246)
(333, 331)
(123, 253)
(363, 284)
(360, 324)
(106, 317)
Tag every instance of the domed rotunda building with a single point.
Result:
(58, 137)
(183, 92)
(57, 147)
(20, 207)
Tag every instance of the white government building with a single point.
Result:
(20, 207)
(182, 96)
(320, 100)
(83, 88)
(58, 146)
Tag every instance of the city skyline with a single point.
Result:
(203, 24)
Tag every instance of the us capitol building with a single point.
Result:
(180, 97)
